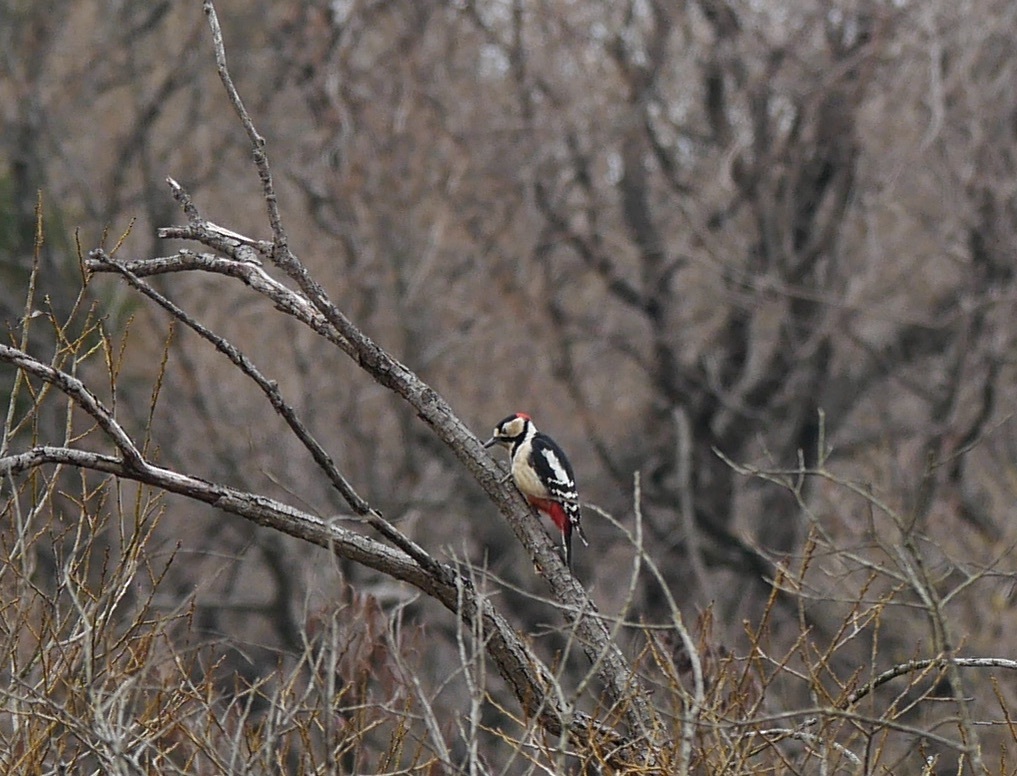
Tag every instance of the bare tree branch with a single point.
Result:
(387, 371)
(526, 675)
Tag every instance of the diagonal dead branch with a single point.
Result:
(525, 674)
(84, 398)
(271, 390)
(528, 677)
(614, 670)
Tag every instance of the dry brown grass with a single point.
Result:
(225, 547)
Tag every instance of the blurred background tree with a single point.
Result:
(674, 233)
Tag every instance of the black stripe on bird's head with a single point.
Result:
(510, 430)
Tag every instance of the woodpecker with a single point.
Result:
(543, 474)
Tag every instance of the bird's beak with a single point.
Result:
(491, 442)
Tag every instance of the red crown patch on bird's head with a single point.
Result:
(523, 415)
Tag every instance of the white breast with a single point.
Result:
(526, 479)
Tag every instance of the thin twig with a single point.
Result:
(260, 157)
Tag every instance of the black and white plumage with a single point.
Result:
(543, 474)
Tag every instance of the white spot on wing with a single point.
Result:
(560, 474)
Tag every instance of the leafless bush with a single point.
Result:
(859, 645)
